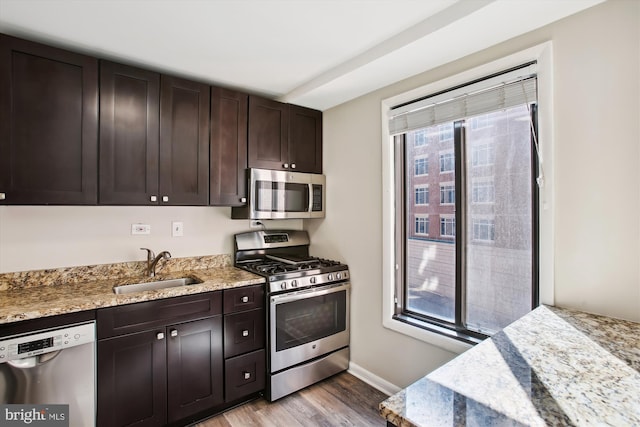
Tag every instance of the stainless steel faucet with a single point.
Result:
(152, 260)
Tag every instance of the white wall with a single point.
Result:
(597, 183)
(37, 237)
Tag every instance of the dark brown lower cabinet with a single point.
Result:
(153, 378)
(160, 362)
(194, 367)
(132, 380)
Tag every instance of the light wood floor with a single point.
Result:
(342, 400)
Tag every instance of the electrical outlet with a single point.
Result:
(140, 229)
(254, 223)
(177, 229)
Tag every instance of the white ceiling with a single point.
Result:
(317, 53)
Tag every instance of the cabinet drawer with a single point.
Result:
(244, 375)
(243, 332)
(243, 298)
(142, 316)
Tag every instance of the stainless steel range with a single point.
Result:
(308, 308)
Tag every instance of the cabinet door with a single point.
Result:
(132, 381)
(305, 139)
(129, 141)
(228, 179)
(194, 367)
(268, 134)
(184, 142)
(48, 124)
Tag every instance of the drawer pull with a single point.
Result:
(160, 335)
(245, 333)
(245, 299)
(247, 375)
(174, 332)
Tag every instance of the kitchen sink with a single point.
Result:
(159, 284)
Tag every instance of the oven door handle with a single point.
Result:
(306, 293)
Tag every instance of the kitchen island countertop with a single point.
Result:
(553, 366)
(36, 294)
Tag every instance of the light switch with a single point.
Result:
(177, 229)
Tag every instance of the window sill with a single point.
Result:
(430, 334)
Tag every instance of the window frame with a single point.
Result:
(543, 54)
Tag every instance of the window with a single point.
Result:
(482, 154)
(445, 132)
(421, 166)
(483, 229)
(447, 226)
(447, 194)
(482, 190)
(447, 163)
(419, 138)
(455, 281)
(422, 195)
(422, 224)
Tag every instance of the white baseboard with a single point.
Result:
(372, 379)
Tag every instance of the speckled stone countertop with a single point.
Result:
(551, 367)
(33, 294)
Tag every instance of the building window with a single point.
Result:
(482, 154)
(455, 281)
(422, 195)
(420, 138)
(447, 194)
(445, 132)
(447, 162)
(422, 225)
(421, 166)
(482, 191)
(447, 226)
(484, 230)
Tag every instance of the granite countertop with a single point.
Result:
(551, 367)
(41, 293)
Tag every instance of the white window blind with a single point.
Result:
(503, 91)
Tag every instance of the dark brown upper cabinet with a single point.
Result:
(284, 137)
(228, 161)
(184, 142)
(305, 139)
(48, 125)
(154, 138)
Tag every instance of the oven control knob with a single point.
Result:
(330, 276)
(338, 276)
(283, 285)
(312, 280)
(294, 283)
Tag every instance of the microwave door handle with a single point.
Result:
(310, 207)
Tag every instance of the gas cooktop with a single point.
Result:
(283, 257)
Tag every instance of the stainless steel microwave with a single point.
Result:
(282, 195)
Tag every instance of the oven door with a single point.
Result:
(307, 324)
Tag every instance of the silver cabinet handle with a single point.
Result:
(245, 299)
(165, 199)
(3, 196)
(247, 375)
(243, 200)
(174, 332)
(160, 335)
(154, 198)
(286, 165)
(293, 165)
(245, 333)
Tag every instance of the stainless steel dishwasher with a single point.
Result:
(52, 366)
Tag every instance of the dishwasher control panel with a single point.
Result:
(40, 342)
